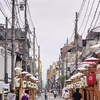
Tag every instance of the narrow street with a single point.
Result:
(50, 97)
(59, 52)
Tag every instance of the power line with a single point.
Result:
(97, 19)
(30, 17)
(81, 8)
(84, 15)
(88, 16)
(2, 10)
(19, 12)
(4, 13)
(94, 15)
(8, 5)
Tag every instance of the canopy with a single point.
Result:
(91, 60)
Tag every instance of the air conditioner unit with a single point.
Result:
(24, 83)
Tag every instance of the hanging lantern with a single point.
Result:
(24, 83)
(74, 85)
(32, 85)
(17, 82)
(91, 79)
(71, 86)
(85, 81)
(68, 86)
(29, 84)
(82, 82)
(78, 85)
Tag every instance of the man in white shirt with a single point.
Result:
(66, 95)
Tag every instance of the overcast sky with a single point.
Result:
(54, 22)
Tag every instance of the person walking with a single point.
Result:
(25, 95)
(66, 95)
(77, 95)
(55, 93)
(45, 96)
(11, 95)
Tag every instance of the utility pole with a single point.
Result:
(6, 45)
(39, 67)
(34, 53)
(76, 39)
(12, 42)
(59, 66)
(38, 62)
(41, 77)
(54, 72)
(62, 68)
(26, 26)
(59, 62)
(66, 57)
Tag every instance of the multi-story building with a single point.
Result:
(21, 53)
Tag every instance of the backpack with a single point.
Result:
(24, 97)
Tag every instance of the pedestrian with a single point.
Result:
(45, 96)
(11, 95)
(77, 95)
(66, 95)
(25, 95)
(55, 93)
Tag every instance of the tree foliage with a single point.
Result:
(62, 78)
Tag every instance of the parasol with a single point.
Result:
(95, 46)
(91, 60)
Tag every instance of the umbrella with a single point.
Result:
(81, 69)
(86, 62)
(95, 46)
(28, 74)
(24, 72)
(91, 60)
(17, 68)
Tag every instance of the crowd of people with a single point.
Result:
(66, 95)
(12, 96)
(75, 95)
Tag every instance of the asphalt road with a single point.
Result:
(50, 97)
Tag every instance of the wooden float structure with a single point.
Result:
(25, 81)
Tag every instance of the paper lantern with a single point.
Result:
(91, 79)
(24, 83)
